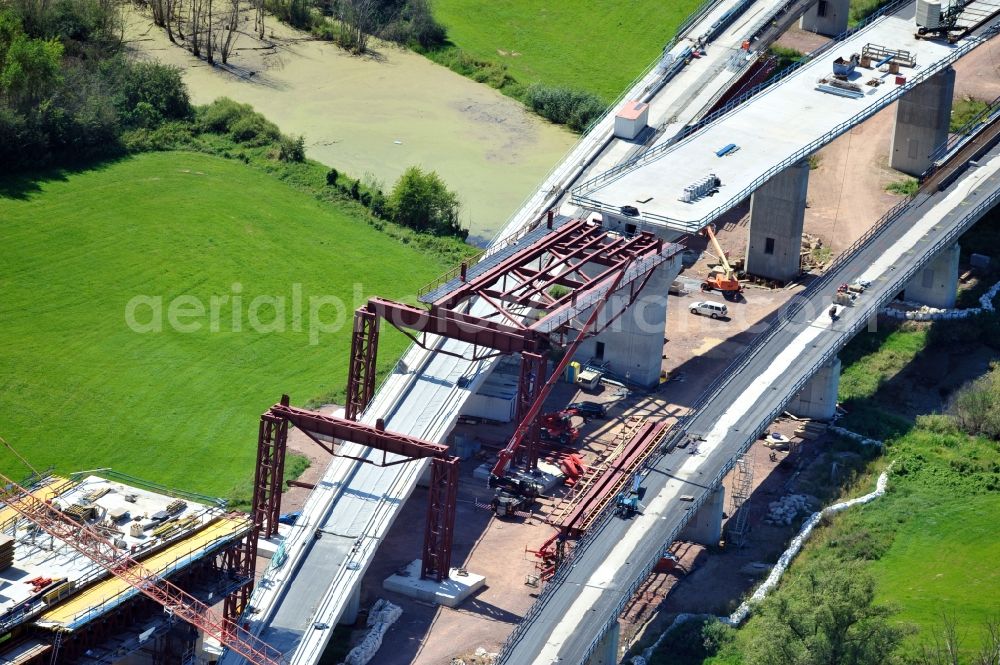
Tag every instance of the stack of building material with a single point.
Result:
(6, 552)
(811, 430)
(928, 14)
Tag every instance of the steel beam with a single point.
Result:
(361, 372)
(272, 439)
(530, 382)
(332, 427)
(440, 527)
(455, 325)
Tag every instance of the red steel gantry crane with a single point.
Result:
(98, 549)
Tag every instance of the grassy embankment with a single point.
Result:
(566, 60)
(79, 389)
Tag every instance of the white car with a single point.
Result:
(709, 308)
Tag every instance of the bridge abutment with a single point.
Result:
(922, 118)
(777, 212)
(818, 397)
(705, 527)
(937, 284)
(826, 17)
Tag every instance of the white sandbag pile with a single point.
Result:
(854, 436)
(918, 312)
(382, 615)
(787, 509)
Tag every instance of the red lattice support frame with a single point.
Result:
(240, 559)
(440, 528)
(533, 368)
(361, 372)
(272, 441)
(175, 600)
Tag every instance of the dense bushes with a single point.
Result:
(574, 108)
(976, 407)
(422, 202)
(56, 107)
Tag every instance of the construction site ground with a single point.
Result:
(846, 195)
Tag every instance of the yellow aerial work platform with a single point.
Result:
(82, 605)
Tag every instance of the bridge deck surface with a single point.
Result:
(778, 127)
(573, 615)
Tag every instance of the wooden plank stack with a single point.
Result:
(6, 552)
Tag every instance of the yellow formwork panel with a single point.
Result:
(45, 492)
(68, 611)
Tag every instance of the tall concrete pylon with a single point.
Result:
(826, 17)
(922, 118)
(777, 212)
(937, 284)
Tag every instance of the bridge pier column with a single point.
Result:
(826, 17)
(937, 284)
(818, 397)
(705, 527)
(607, 650)
(777, 212)
(351, 608)
(632, 344)
(922, 118)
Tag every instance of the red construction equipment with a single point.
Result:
(558, 426)
(726, 281)
(84, 539)
(604, 486)
(572, 467)
(528, 296)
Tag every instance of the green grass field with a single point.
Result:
(599, 46)
(79, 389)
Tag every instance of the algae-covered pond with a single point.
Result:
(380, 114)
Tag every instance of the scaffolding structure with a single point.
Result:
(738, 527)
(528, 297)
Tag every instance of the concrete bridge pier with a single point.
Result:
(818, 397)
(922, 118)
(352, 608)
(705, 527)
(607, 650)
(777, 212)
(826, 17)
(632, 345)
(937, 284)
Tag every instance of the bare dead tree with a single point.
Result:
(209, 44)
(258, 18)
(360, 17)
(226, 31)
(196, 25)
(943, 648)
(159, 12)
(989, 653)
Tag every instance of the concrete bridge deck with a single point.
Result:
(568, 621)
(777, 128)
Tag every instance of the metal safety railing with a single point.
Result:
(860, 317)
(967, 131)
(842, 127)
